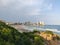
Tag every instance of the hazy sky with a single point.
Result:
(30, 10)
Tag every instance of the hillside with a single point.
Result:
(11, 36)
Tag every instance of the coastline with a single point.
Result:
(25, 28)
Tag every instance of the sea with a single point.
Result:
(53, 28)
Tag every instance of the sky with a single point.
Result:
(47, 11)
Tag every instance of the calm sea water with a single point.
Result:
(54, 28)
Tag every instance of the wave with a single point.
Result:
(42, 29)
(54, 30)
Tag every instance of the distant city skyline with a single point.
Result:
(47, 11)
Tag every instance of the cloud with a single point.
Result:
(34, 12)
(5, 2)
(50, 6)
(25, 7)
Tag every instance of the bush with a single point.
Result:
(10, 36)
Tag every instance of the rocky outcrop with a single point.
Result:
(49, 37)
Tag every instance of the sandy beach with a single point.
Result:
(20, 28)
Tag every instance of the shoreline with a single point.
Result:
(24, 28)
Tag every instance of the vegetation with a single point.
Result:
(10, 36)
